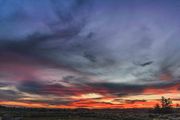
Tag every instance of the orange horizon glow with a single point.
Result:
(84, 104)
(147, 99)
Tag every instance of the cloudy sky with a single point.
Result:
(89, 53)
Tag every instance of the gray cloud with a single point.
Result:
(80, 39)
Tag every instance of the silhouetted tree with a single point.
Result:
(166, 102)
(166, 106)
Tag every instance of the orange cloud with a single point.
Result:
(90, 104)
(23, 104)
(169, 89)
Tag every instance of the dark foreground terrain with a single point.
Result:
(84, 114)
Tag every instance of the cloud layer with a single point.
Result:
(68, 54)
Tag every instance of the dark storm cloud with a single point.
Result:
(76, 80)
(31, 86)
(9, 95)
(133, 89)
(79, 88)
(3, 84)
(9, 92)
(43, 14)
(129, 101)
(58, 101)
(61, 37)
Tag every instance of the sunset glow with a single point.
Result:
(89, 54)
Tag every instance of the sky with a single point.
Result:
(89, 53)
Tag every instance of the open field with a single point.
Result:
(84, 114)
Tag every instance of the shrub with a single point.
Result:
(166, 106)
